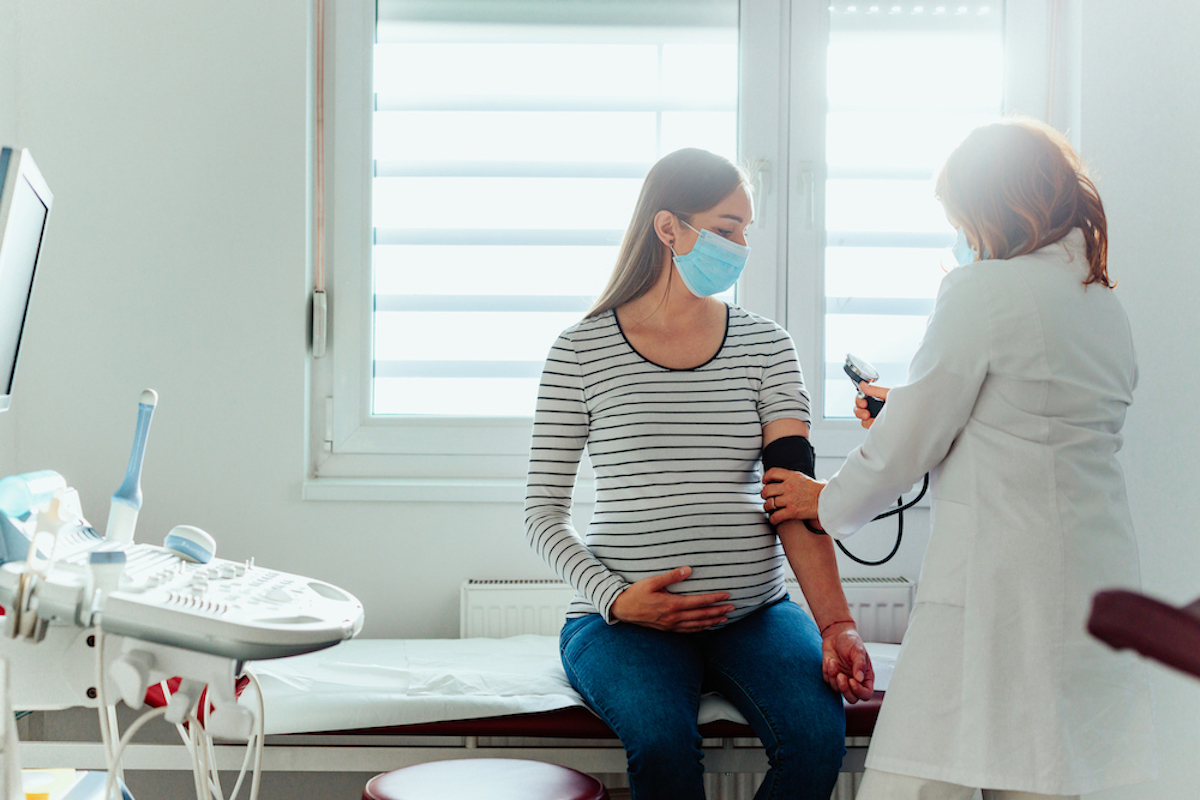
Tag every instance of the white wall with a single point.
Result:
(174, 136)
(8, 69)
(1140, 111)
(8, 135)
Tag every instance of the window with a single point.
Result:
(508, 155)
(905, 84)
(484, 158)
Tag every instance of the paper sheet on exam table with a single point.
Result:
(373, 683)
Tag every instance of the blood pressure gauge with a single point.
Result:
(860, 370)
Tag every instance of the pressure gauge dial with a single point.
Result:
(860, 370)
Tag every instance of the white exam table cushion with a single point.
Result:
(375, 683)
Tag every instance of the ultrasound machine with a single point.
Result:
(93, 617)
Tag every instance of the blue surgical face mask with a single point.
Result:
(962, 250)
(713, 264)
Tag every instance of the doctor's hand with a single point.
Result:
(845, 663)
(790, 495)
(647, 602)
(860, 404)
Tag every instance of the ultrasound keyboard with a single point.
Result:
(226, 608)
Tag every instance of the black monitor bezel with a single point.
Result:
(17, 167)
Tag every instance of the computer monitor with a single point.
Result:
(24, 208)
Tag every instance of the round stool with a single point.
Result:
(484, 779)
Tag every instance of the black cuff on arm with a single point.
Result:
(791, 452)
(795, 453)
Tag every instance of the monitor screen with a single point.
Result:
(24, 207)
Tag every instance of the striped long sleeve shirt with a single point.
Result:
(676, 454)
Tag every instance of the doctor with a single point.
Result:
(1014, 402)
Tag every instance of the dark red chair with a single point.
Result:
(1158, 630)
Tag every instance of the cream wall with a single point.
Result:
(1140, 110)
(174, 138)
(8, 133)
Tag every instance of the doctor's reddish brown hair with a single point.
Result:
(1018, 185)
(685, 182)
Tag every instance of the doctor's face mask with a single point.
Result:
(964, 253)
(962, 250)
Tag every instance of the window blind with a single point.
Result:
(906, 82)
(510, 140)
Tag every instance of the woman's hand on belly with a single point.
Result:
(647, 602)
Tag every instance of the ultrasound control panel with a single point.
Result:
(227, 608)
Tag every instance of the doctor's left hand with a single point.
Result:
(790, 495)
(845, 663)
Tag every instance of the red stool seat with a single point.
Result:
(480, 778)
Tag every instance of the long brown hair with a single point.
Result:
(685, 183)
(1016, 186)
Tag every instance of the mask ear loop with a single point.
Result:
(671, 244)
(674, 255)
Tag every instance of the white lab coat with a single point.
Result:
(1015, 402)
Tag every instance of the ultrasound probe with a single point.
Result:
(127, 500)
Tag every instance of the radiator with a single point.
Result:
(495, 609)
(880, 606)
(499, 608)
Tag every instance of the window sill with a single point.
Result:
(428, 490)
(833, 443)
(836, 439)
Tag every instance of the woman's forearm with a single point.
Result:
(814, 563)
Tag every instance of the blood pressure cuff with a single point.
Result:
(790, 452)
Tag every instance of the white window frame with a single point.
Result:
(355, 456)
(1029, 62)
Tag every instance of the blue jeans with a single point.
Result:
(646, 685)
